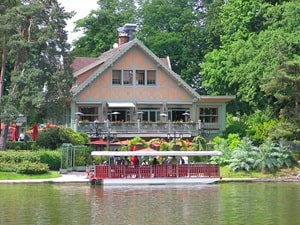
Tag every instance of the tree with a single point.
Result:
(38, 50)
(183, 30)
(257, 38)
(100, 26)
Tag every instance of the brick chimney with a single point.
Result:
(126, 33)
(123, 38)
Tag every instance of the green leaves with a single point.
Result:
(268, 157)
(37, 53)
(260, 40)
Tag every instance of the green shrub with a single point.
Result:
(21, 145)
(235, 125)
(226, 146)
(77, 138)
(51, 158)
(242, 157)
(27, 167)
(10, 160)
(53, 138)
(19, 156)
(7, 167)
(268, 157)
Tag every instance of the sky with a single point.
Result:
(82, 9)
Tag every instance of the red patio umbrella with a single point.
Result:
(147, 150)
(15, 133)
(156, 143)
(35, 132)
(50, 125)
(125, 142)
(98, 142)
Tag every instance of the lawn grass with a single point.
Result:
(16, 176)
(227, 173)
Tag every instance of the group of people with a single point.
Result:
(135, 161)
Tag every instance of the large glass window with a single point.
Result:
(151, 77)
(140, 77)
(150, 114)
(178, 114)
(127, 77)
(90, 113)
(209, 115)
(116, 77)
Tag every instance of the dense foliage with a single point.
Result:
(259, 53)
(53, 138)
(35, 76)
(28, 162)
(243, 155)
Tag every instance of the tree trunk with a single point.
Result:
(2, 73)
(3, 136)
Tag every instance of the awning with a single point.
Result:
(156, 153)
(120, 105)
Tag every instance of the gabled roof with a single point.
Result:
(110, 57)
(81, 62)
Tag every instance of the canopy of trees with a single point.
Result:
(35, 74)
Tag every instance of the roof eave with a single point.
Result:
(220, 98)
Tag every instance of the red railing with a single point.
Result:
(157, 171)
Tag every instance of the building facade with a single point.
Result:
(128, 91)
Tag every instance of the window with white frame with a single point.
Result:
(90, 113)
(209, 115)
(140, 77)
(116, 77)
(151, 77)
(127, 77)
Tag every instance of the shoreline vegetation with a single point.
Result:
(226, 174)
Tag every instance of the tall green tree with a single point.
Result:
(183, 30)
(258, 37)
(100, 26)
(35, 43)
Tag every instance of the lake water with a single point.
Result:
(218, 204)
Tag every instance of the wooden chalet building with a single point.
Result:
(128, 91)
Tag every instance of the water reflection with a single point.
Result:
(152, 204)
(232, 203)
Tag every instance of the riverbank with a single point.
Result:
(72, 177)
(80, 177)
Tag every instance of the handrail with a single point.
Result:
(156, 171)
(169, 127)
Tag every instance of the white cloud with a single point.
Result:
(82, 9)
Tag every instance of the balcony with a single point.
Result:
(148, 129)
